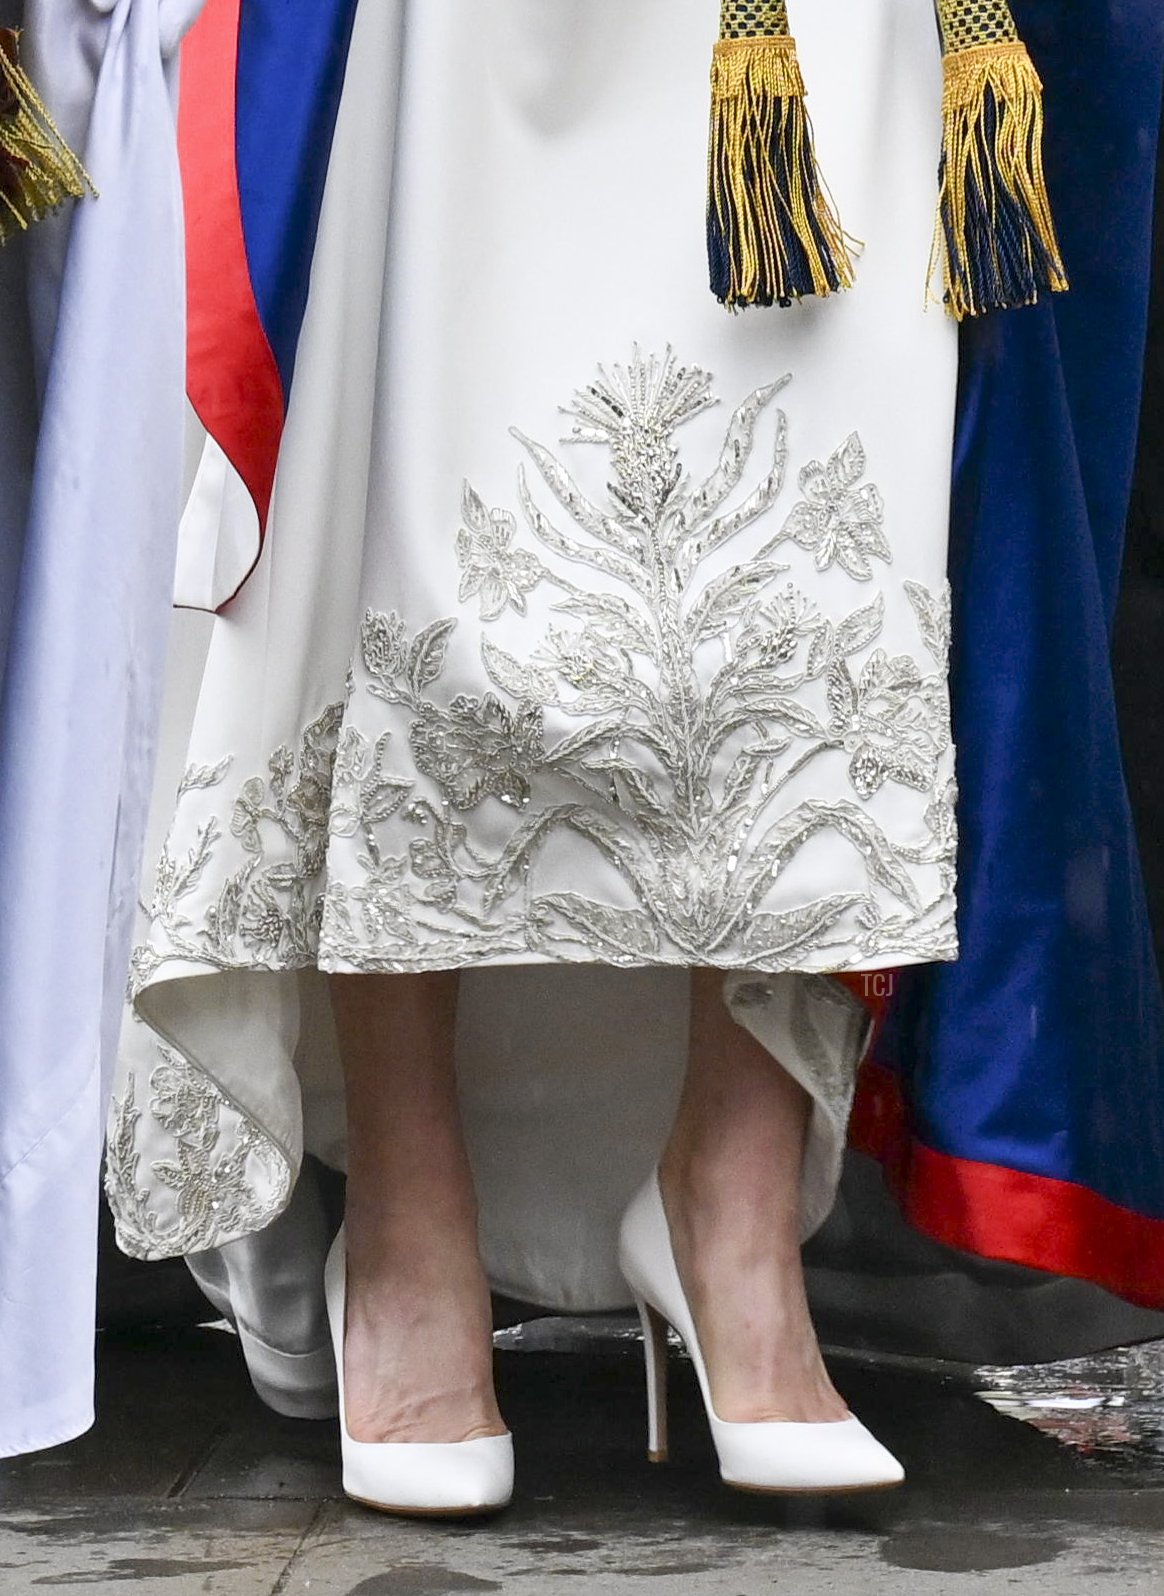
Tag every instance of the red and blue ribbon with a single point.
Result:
(260, 92)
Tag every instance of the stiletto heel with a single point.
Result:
(655, 1357)
(415, 1478)
(766, 1456)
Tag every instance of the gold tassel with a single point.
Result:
(995, 235)
(38, 170)
(773, 234)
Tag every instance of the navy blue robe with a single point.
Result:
(1021, 1115)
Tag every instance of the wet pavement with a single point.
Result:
(1035, 1479)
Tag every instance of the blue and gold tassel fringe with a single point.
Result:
(995, 241)
(773, 235)
(38, 170)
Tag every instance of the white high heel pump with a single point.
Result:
(416, 1478)
(765, 1457)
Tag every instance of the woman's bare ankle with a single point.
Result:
(737, 1249)
(418, 1356)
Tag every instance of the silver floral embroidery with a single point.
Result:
(837, 520)
(268, 910)
(224, 1177)
(493, 571)
(675, 774)
(702, 700)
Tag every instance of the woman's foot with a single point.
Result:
(745, 1287)
(418, 1348)
(730, 1182)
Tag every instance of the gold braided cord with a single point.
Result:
(994, 163)
(753, 19)
(38, 170)
(773, 232)
(966, 24)
(741, 66)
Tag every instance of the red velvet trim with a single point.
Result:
(232, 378)
(1035, 1220)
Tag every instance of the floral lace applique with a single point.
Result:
(703, 701)
(268, 910)
(837, 520)
(223, 1176)
(689, 729)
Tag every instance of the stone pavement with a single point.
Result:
(1054, 1482)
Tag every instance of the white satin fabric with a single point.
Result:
(515, 196)
(84, 631)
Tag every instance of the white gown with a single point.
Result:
(599, 633)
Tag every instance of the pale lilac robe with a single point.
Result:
(89, 525)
